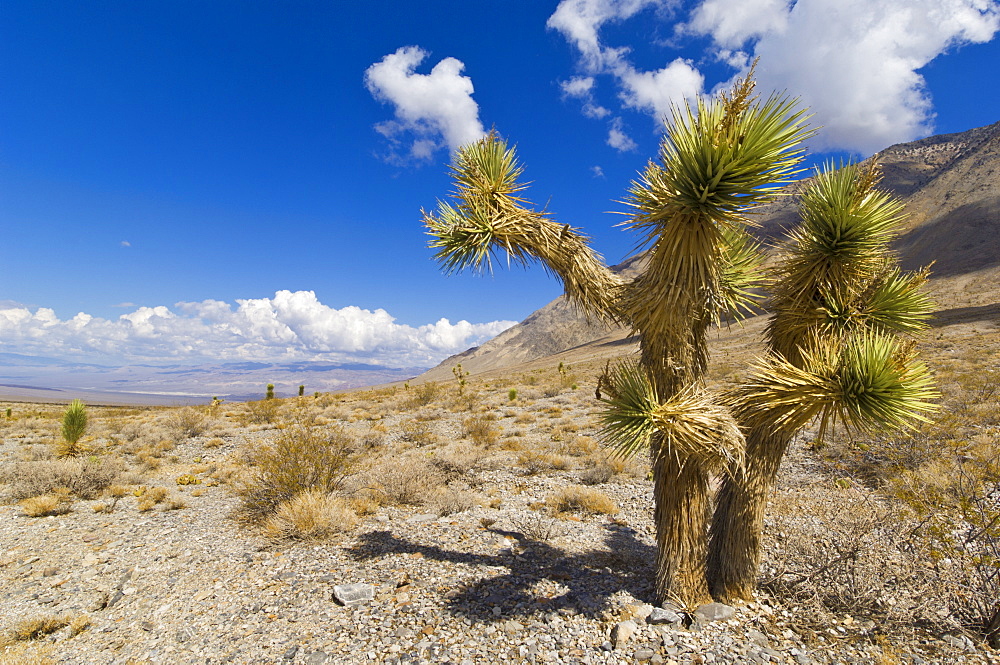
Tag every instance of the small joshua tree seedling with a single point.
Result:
(512, 394)
(302, 391)
(73, 428)
(460, 375)
(270, 391)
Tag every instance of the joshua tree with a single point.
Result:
(73, 428)
(716, 160)
(839, 302)
(269, 394)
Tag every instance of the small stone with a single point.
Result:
(423, 517)
(644, 653)
(50, 571)
(622, 633)
(97, 602)
(317, 658)
(715, 612)
(147, 626)
(757, 637)
(350, 595)
(290, 652)
(642, 610)
(513, 626)
(659, 616)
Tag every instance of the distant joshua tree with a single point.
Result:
(717, 160)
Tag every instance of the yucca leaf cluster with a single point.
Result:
(841, 305)
(74, 426)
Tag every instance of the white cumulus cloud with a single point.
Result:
(435, 110)
(657, 91)
(652, 92)
(855, 63)
(618, 139)
(291, 326)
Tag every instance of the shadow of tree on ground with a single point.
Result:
(623, 563)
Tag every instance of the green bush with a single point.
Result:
(299, 459)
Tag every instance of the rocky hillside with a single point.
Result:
(951, 186)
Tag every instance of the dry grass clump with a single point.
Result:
(149, 498)
(310, 515)
(38, 627)
(482, 430)
(85, 478)
(57, 503)
(579, 499)
(533, 462)
(297, 460)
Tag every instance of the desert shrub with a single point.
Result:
(575, 498)
(122, 430)
(86, 478)
(946, 476)
(448, 501)
(406, 480)
(956, 500)
(840, 550)
(598, 474)
(416, 432)
(187, 422)
(310, 515)
(424, 394)
(458, 460)
(298, 459)
(482, 430)
(259, 412)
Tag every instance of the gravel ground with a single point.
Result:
(487, 585)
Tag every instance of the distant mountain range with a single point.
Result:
(45, 379)
(950, 184)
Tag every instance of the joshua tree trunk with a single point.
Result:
(738, 522)
(681, 509)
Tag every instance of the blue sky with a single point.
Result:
(182, 181)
